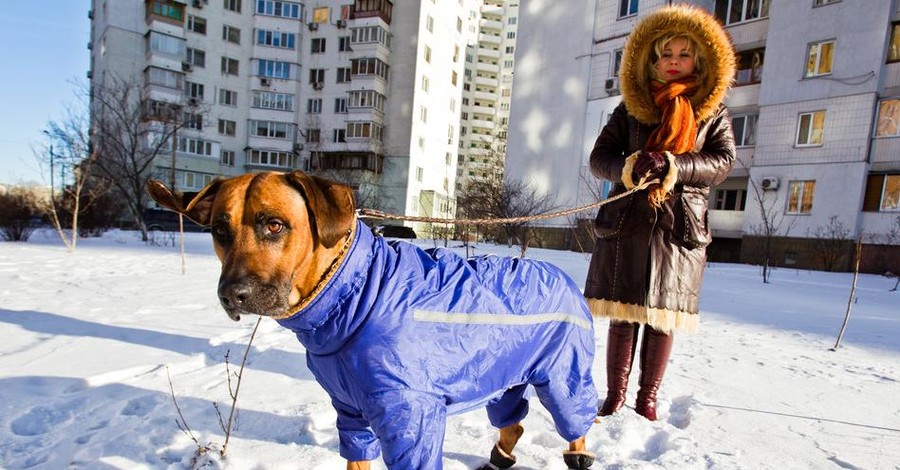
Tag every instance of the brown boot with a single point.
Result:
(656, 347)
(621, 343)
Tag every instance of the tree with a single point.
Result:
(831, 244)
(770, 225)
(130, 131)
(20, 210)
(70, 153)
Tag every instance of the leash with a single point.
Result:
(376, 214)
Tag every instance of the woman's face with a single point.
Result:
(676, 61)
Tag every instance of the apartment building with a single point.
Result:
(367, 92)
(814, 110)
(487, 93)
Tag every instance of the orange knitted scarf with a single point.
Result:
(677, 130)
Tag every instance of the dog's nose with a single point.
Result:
(233, 296)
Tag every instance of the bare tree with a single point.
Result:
(773, 223)
(70, 152)
(130, 131)
(831, 244)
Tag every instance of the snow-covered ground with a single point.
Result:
(90, 338)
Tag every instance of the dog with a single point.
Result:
(399, 337)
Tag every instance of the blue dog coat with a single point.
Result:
(401, 337)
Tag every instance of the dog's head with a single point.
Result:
(276, 235)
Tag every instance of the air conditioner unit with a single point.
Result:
(318, 85)
(298, 148)
(193, 101)
(612, 85)
(186, 67)
(769, 183)
(341, 24)
(265, 81)
(198, 4)
(313, 26)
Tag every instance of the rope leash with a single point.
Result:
(376, 214)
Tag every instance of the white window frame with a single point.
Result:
(814, 52)
(747, 139)
(810, 139)
(627, 8)
(797, 189)
(887, 123)
(890, 202)
(762, 11)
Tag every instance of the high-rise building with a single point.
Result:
(487, 92)
(814, 109)
(367, 92)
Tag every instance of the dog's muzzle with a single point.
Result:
(250, 296)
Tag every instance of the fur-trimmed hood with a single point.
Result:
(715, 44)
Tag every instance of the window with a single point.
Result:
(344, 44)
(190, 179)
(165, 44)
(279, 8)
(196, 24)
(193, 121)
(233, 5)
(313, 136)
(425, 84)
(227, 158)
(343, 75)
(369, 66)
(627, 8)
(339, 135)
(318, 45)
(274, 68)
(274, 129)
(195, 57)
(314, 106)
(736, 11)
(166, 9)
(894, 48)
(271, 158)
(366, 99)
(316, 76)
(276, 39)
(429, 24)
(744, 128)
(193, 90)
(453, 77)
(423, 114)
(730, 199)
(226, 127)
(229, 66)
(819, 56)
(882, 193)
(227, 97)
(800, 197)
(510, 49)
(340, 105)
(888, 124)
(459, 24)
(420, 174)
(231, 34)
(364, 130)
(272, 100)
(819, 3)
(194, 146)
(749, 66)
(427, 54)
(512, 34)
(810, 129)
(370, 34)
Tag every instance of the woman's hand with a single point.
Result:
(651, 165)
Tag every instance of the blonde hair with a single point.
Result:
(659, 46)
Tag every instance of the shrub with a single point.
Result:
(20, 213)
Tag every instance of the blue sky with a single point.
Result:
(43, 52)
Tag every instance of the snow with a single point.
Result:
(91, 338)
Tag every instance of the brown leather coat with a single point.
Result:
(648, 263)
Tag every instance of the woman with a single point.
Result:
(648, 260)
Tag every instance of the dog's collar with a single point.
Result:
(326, 276)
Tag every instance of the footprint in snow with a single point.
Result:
(40, 420)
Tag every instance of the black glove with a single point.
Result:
(652, 165)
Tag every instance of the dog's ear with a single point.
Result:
(330, 205)
(196, 206)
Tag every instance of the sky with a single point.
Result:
(96, 343)
(44, 53)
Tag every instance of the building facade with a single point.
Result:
(814, 110)
(367, 92)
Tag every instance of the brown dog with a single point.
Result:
(387, 349)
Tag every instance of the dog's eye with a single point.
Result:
(220, 231)
(274, 226)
